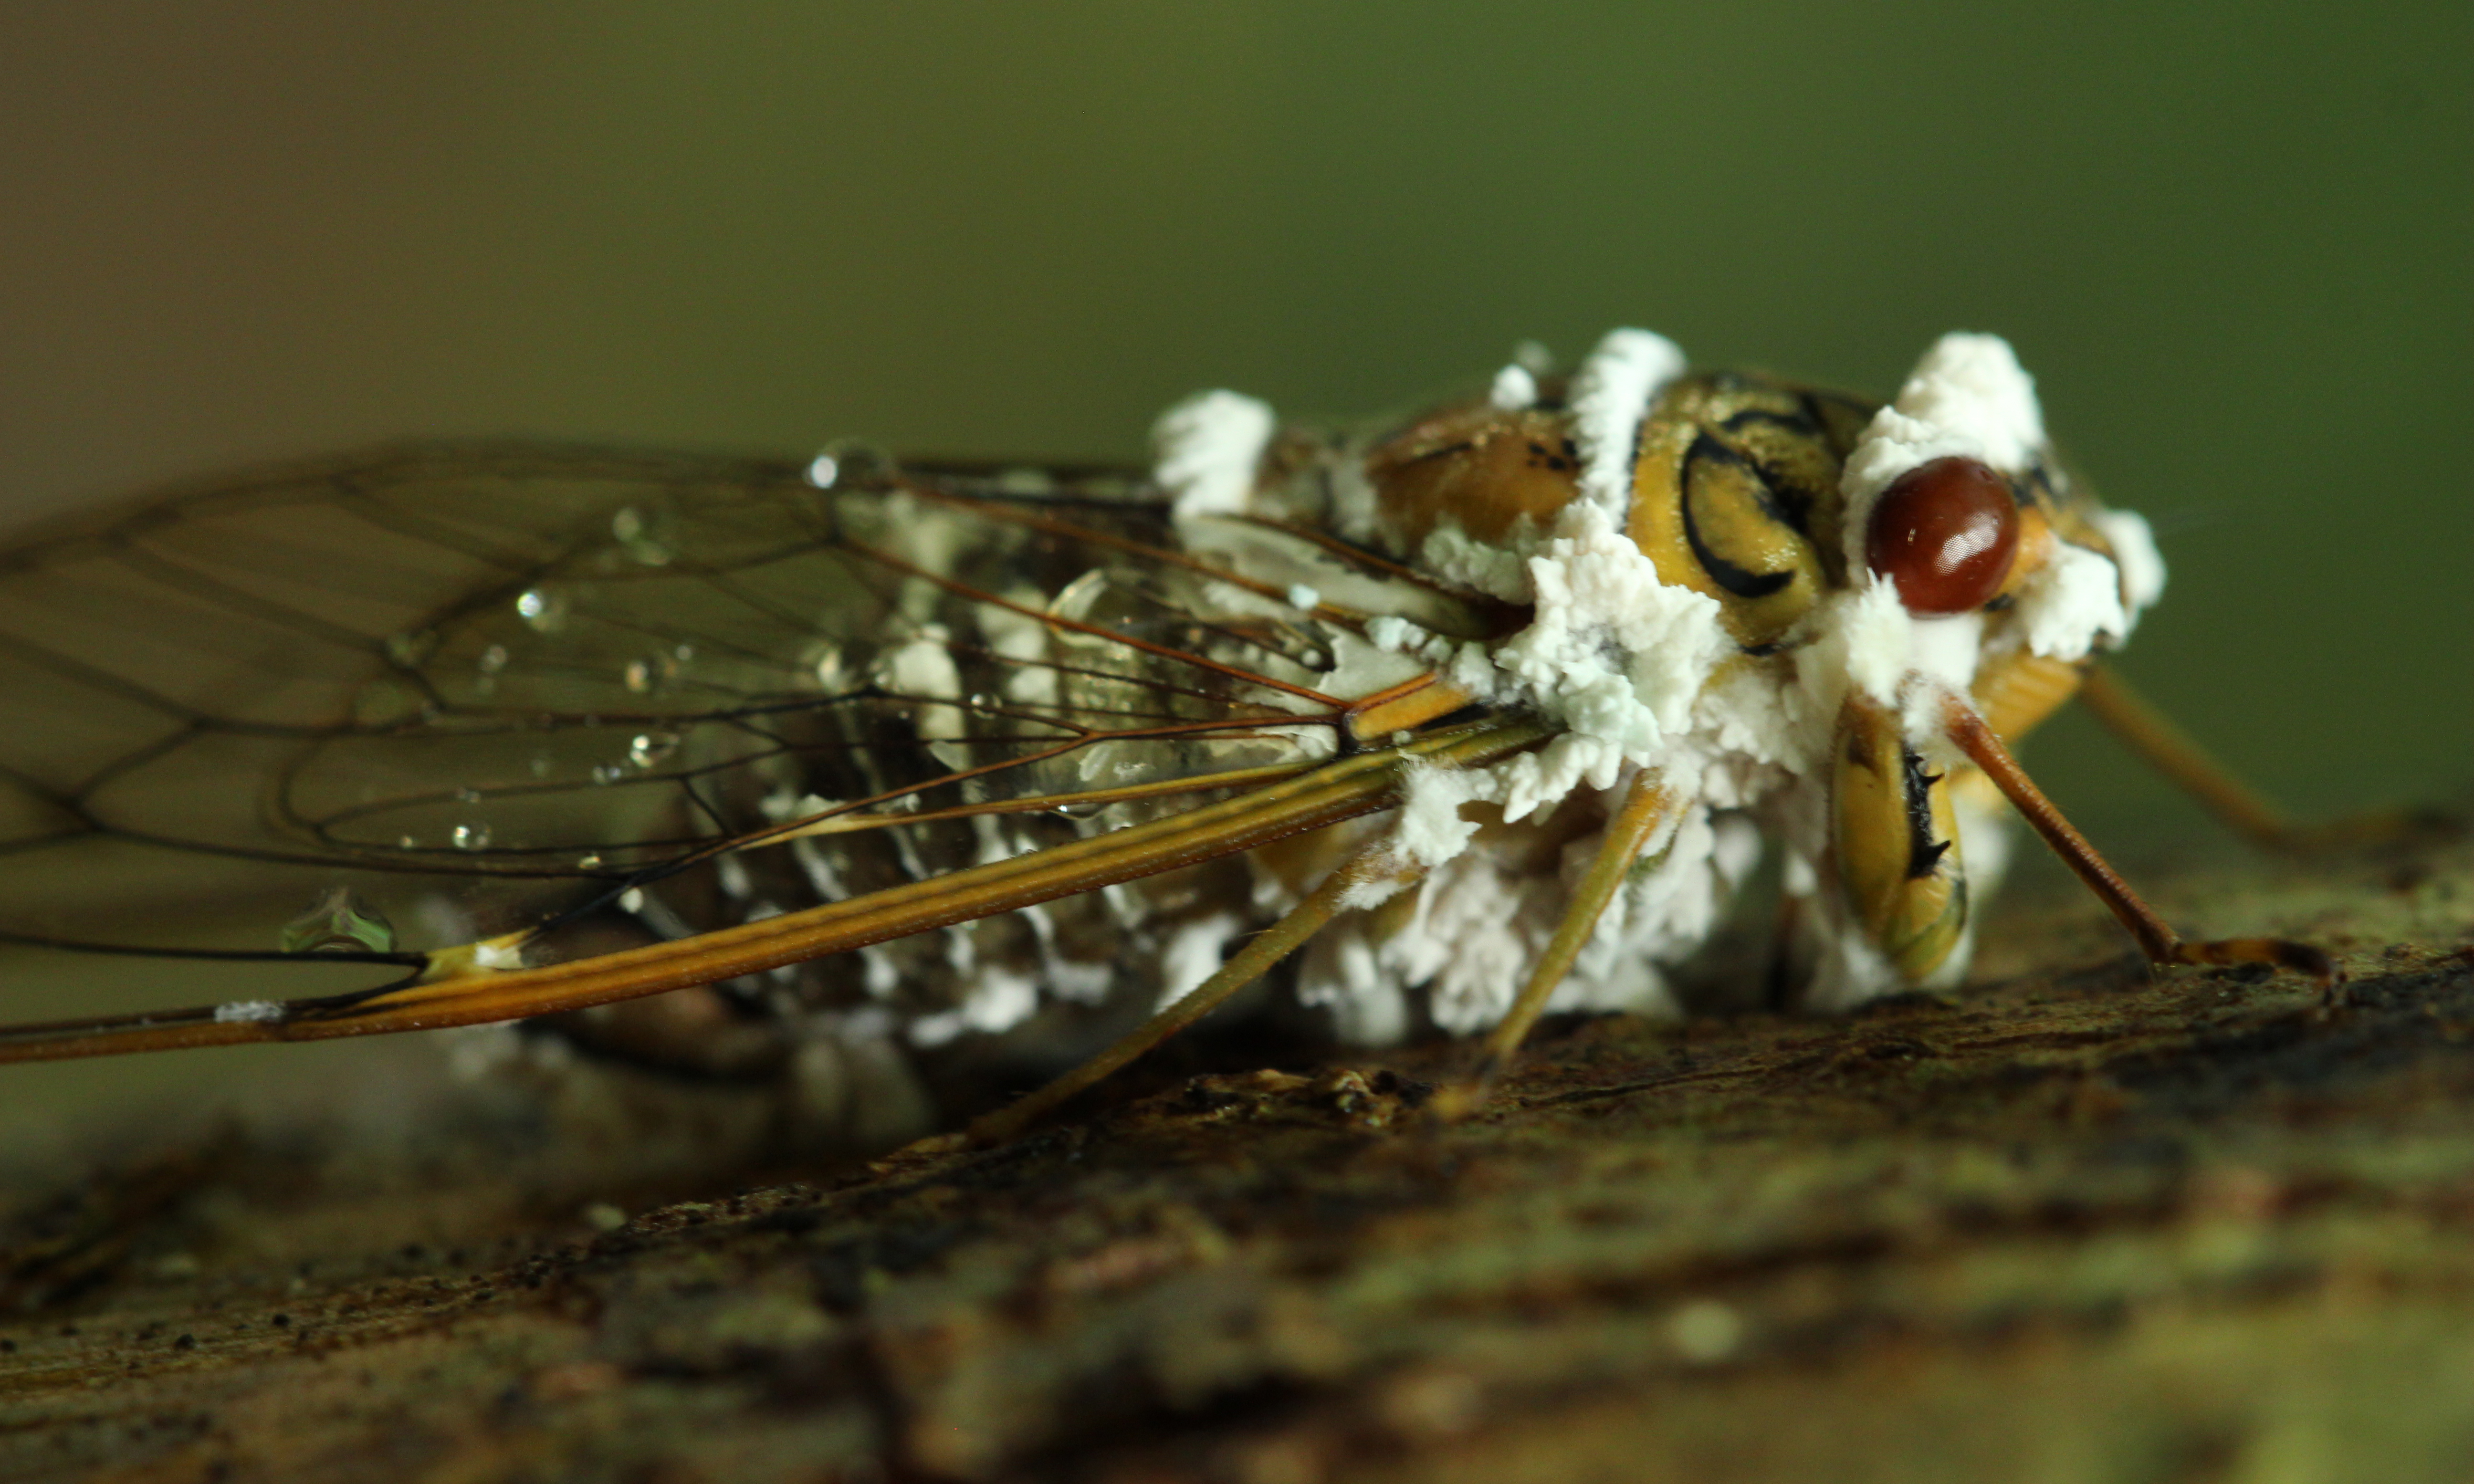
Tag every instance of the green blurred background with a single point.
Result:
(2230, 240)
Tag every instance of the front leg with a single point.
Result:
(1894, 843)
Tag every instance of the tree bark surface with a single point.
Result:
(2082, 1223)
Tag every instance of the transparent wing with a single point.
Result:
(482, 686)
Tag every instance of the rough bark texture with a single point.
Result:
(2085, 1222)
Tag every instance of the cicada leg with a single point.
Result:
(2156, 939)
(1894, 838)
(1647, 805)
(1368, 868)
(2171, 751)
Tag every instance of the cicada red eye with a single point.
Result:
(1945, 533)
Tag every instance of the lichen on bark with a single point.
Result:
(2083, 1222)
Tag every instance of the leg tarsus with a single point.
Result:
(2274, 951)
(2156, 939)
(2161, 742)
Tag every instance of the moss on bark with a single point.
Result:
(2084, 1223)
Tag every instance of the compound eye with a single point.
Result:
(1944, 533)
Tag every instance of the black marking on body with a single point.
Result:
(1924, 852)
(1561, 461)
(1741, 582)
(1782, 497)
(2036, 486)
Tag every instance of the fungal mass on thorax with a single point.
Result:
(1935, 537)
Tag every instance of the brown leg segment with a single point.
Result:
(1248, 964)
(2173, 752)
(1644, 807)
(2157, 939)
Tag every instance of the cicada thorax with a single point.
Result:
(1735, 488)
(1737, 495)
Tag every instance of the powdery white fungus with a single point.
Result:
(1207, 448)
(1611, 393)
(1342, 971)
(1000, 999)
(1360, 669)
(1612, 653)
(1640, 677)
(924, 668)
(497, 956)
(234, 1011)
(1457, 557)
(2134, 551)
(1514, 389)
(1967, 398)
(2069, 602)
(1194, 953)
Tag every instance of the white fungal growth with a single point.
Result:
(1966, 398)
(1611, 393)
(2070, 603)
(1514, 389)
(1614, 653)
(1194, 953)
(1206, 450)
(2134, 551)
(497, 956)
(999, 1000)
(924, 668)
(242, 1010)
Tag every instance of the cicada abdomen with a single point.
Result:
(1493, 710)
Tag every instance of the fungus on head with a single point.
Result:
(1930, 502)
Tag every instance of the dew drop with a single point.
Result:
(637, 675)
(467, 796)
(588, 862)
(606, 773)
(544, 610)
(340, 922)
(472, 837)
(850, 464)
(640, 538)
(649, 748)
(492, 660)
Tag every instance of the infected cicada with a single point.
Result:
(1485, 715)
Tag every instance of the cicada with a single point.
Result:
(1478, 715)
